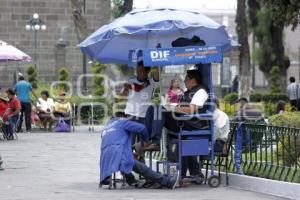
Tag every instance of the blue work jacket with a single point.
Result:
(116, 151)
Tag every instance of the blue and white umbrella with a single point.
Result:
(145, 28)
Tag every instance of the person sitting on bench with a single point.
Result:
(116, 153)
(221, 128)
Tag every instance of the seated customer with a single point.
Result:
(139, 91)
(14, 110)
(35, 120)
(45, 108)
(4, 111)
(62, 108)
(116, 153)
(221, 129)
(193, 101)
(4, 108)
(245, 112)
(174, 93)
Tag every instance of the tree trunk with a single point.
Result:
(79, 20)
(270, 38)
(280, 59)
(127, 7)
(244, 57)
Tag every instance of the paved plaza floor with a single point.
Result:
(59, 166)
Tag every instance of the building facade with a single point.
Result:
(56, 46)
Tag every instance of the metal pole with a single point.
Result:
(299, 64)
(35, 47)
(84, 73)
(92, 117)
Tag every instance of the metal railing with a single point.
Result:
(267, 108)
(271, 152)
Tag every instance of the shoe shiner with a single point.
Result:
(116, 153)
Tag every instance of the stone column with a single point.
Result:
(60, 55)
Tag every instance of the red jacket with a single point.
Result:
(3, 108)
(14, 104)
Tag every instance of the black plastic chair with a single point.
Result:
(220, 156)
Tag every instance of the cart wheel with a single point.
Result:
(213, 181)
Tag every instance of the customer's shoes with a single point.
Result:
(198, 179)
(10, 138)
(175, 180)
(132, 182)
(19, 131)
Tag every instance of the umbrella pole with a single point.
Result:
(163, 147)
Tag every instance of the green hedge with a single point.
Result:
(288, 119)
(288, 139)
(32, 76)
(256, 97)
(275, 97)
(231, 97)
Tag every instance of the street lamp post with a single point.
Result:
(35, 24)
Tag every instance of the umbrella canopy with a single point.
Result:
(145, 28)
(11, 53)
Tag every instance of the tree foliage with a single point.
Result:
(32, 76)
(275, 80)
(121, 7)
(268, 32)
(98, 85)
(63, 76)
(284, 12)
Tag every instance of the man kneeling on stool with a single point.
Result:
(116, 153)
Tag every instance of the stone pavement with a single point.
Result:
(59, 166)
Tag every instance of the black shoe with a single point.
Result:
(19, 131)
(10, 137)
(198, 179)
(130, 180)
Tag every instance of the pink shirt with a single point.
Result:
(173, 96)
